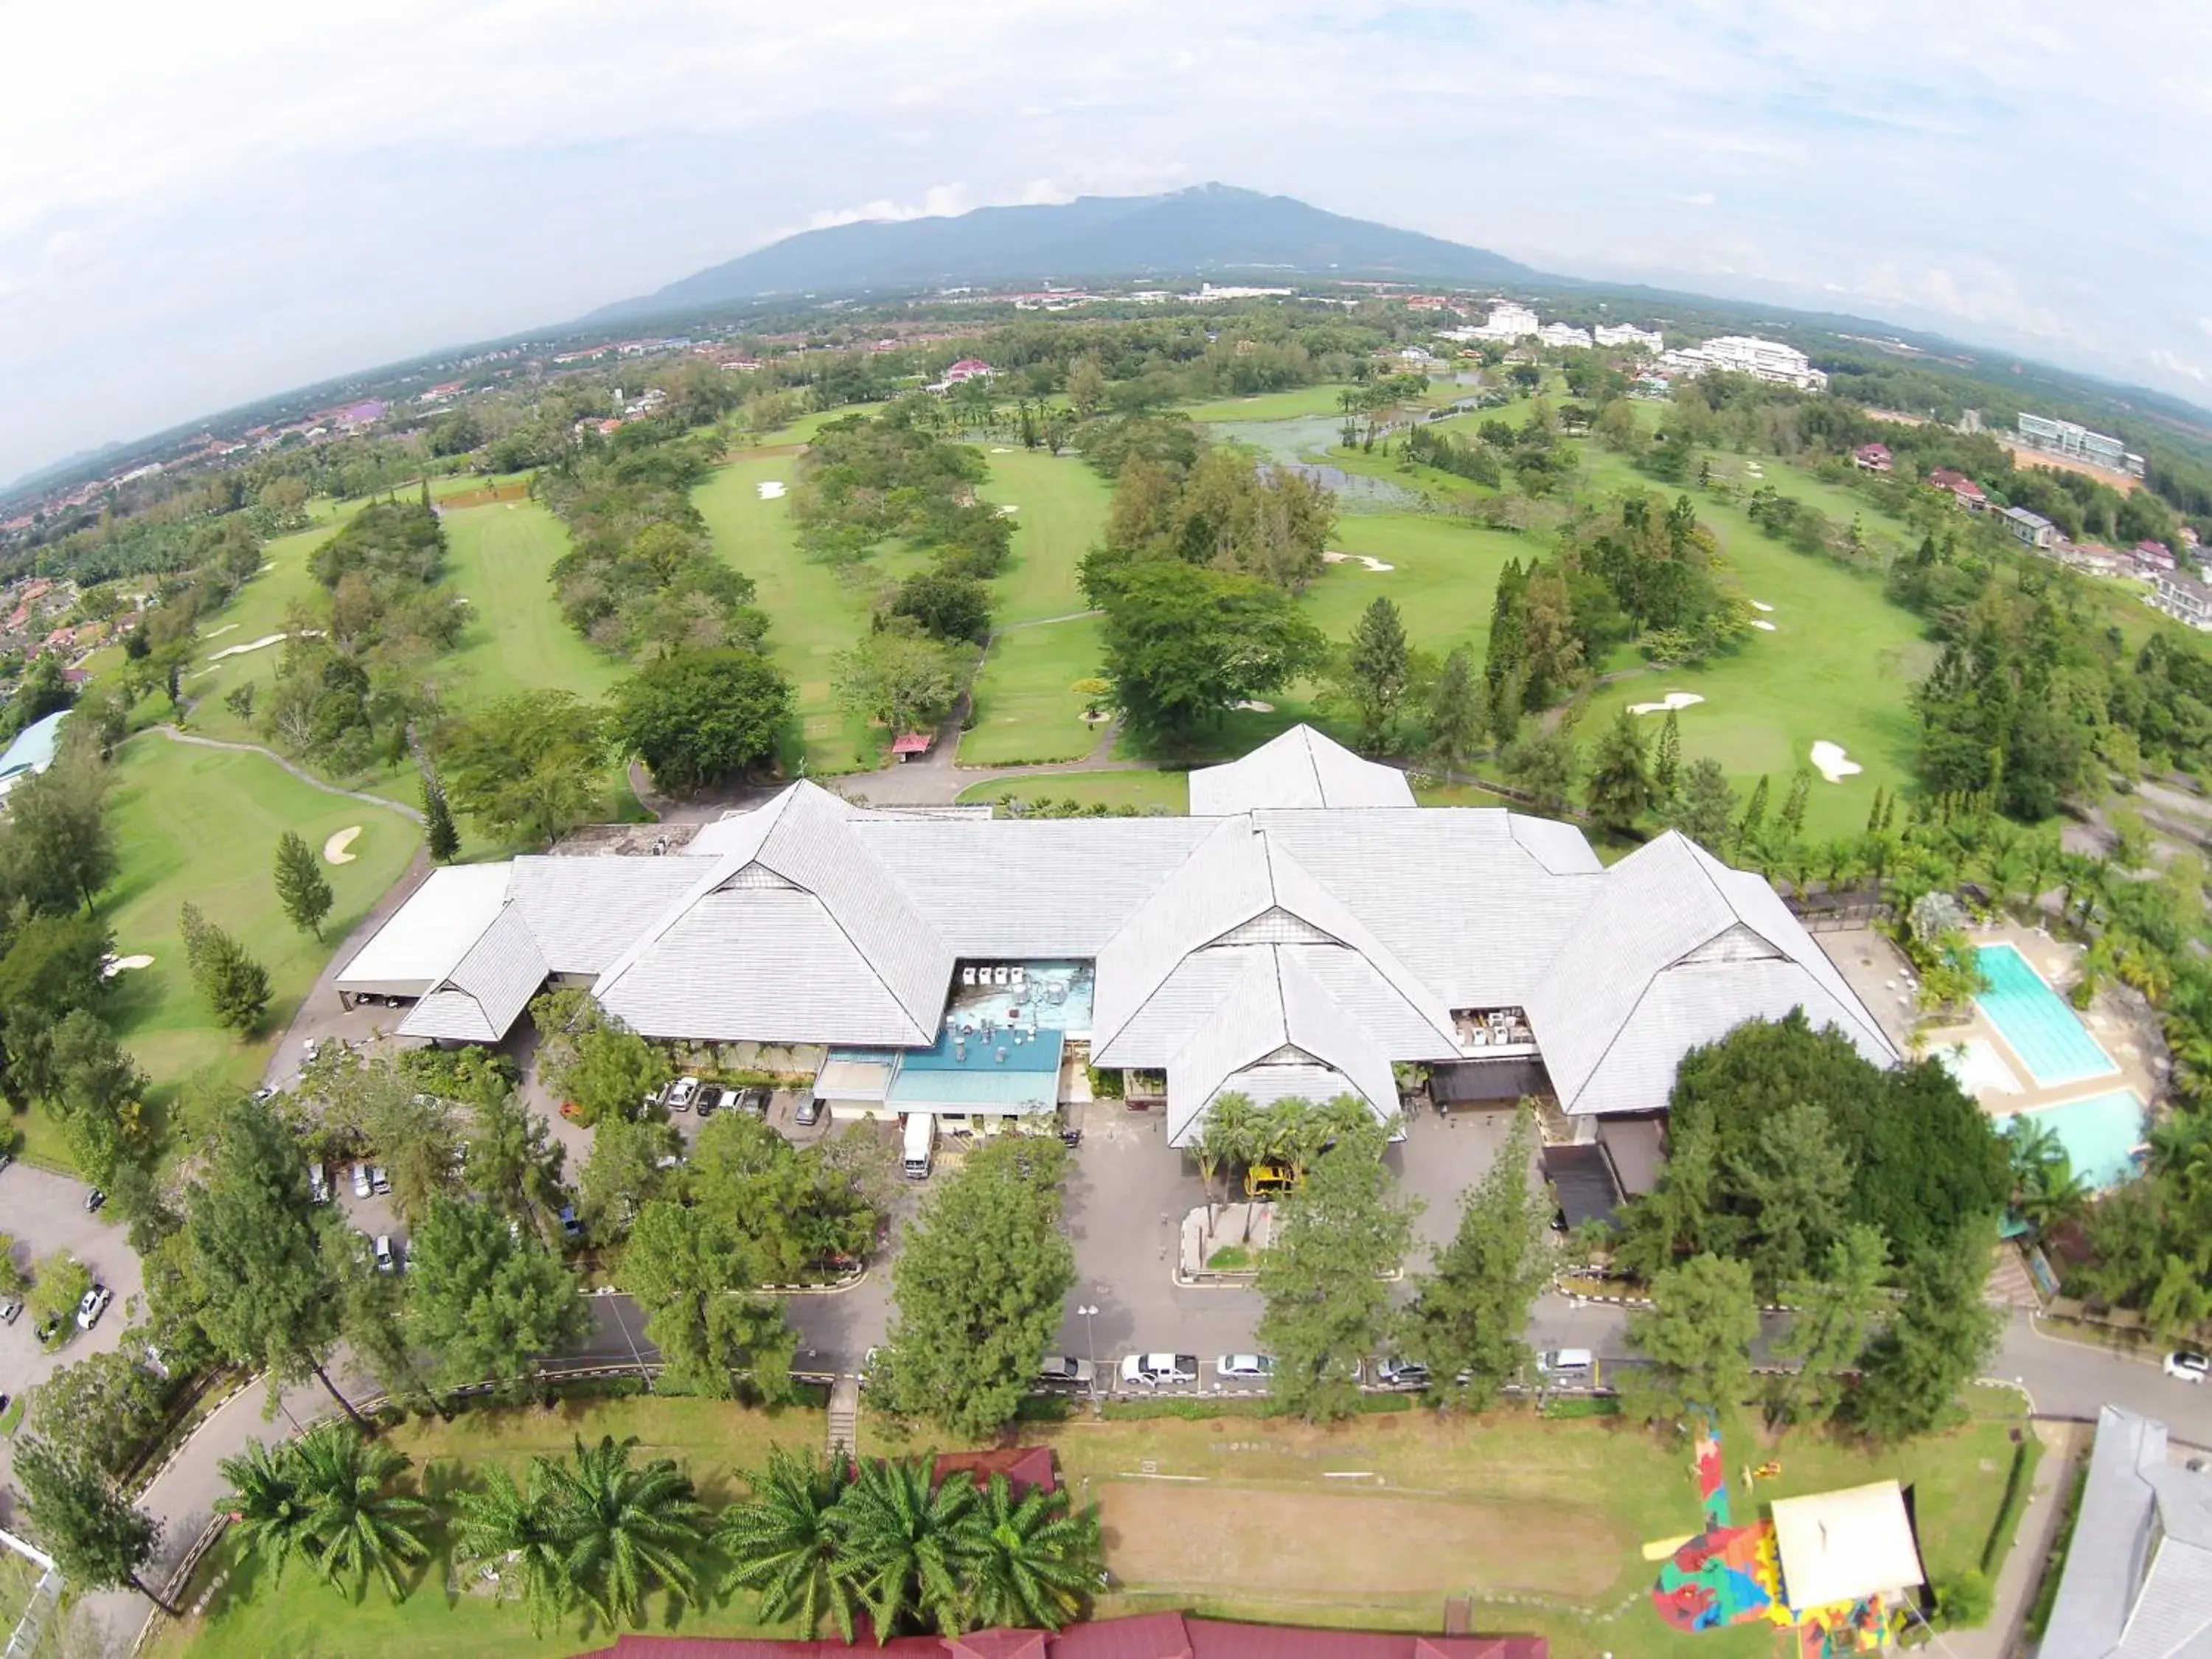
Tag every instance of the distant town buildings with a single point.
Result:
(2183, 598)
(1209, 295)
(1507, 322)
(2078, 443)
(1627, 334)
(1564, 334)
(1746, 354)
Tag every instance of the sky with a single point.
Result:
(199, 207)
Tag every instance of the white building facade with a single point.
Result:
(1746, 354)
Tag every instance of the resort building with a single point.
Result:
(1746, 354)
(2078, 443)
(2177, 593)
(32, 752)
(2030, 529)
(1305, 929)
(1628, 335)
(2138, 1578)
(1963, 490)
(1563, 335)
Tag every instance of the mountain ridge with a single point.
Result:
(1209, 228)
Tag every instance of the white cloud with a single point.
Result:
(190, 216)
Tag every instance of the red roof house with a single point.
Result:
(968, 369)
(1871, 457)
(908, 744)
(1964, 492)
(1026, 1467)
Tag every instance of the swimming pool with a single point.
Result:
(2035, 1022)
(2100, 1134)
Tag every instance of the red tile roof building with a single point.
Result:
(1147, 1635)
(1964, 490)
(1871, 457)
(1026, 1467)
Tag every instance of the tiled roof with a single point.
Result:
(480, 1000)
(1301, 768)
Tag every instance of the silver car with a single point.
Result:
(1058, 1372)
(1245, 1367)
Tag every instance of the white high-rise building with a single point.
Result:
(1746, 354)
(1627, 334)
(1563, 334)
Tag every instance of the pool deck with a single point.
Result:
(2122, 1023)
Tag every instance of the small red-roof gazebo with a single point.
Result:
(908, 744)
(1026, 1467)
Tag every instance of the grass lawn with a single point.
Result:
(202, 824)
(1025, 709)
(1169, 790)
(712, 1439)
(516, 638)
(1541, 1523)
(1060, 511)
(1270, 405)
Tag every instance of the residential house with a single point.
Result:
(1964, 491)
(2151, 556)
(1307, 927)
(1872, 458)
(2183, 598)
(2030, 529)
(2138, 1579)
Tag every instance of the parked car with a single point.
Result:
(1268, 1180)
(808, 1113)
(361, 1181)
(1150, 1370)
(49, 1330)
(682, 1092)
(10, 1310)
(1246, 1367)
(570, 1227)
(380, 1179)
(6, 1158)
(1395, 1373)
(1568, 1366)
(318, 1184)
(94, 1199)
(311, 1047)
(1059, 1371)
(2187, 1367)
(92, 1305)
(711, 1097)
(754, 1100)
(264, 1093)
(386, 1259)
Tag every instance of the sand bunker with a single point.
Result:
(1000, 449)
(217, 632)
(114, 965)
(1257, 707)
(1760, 605)
(1830, 761)
(261, 644)
(1764, 626)
(1008, 509)
(334, 849)
(1347, 558)
(1673, 699)
(770, 489)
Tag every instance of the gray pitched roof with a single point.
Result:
(1301, 768)
(2138, 1579)
(480, 1000)
(1676, 949)
(795, 933)
(585, 912)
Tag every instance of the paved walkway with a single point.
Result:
(2063, 1444)
(305, 777)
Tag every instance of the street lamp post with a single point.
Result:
(1088, 1310)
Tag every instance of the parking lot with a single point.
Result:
(45, 1213)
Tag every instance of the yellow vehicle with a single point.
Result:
(1266, 1180)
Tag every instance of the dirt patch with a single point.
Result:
(1275, 1543)
(487, 496)
(2023, 456)
(763, 453)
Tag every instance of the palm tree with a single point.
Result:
(783, 1544)
(1027, 1560)
(626, 1529)
(360, 1525)
(898, 1540)
(513, 1532)
(1292, 1131)
(1226, 1139)
(268, 1512)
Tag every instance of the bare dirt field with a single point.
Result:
(488, 495)
(1220, 1539)
(2023, 456)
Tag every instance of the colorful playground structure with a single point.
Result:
(1729, 1574)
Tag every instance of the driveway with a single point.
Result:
(46, 1212)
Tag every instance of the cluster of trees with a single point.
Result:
(640, 572)
(1216, 509)
(1867, 1191)
(234, 987)
(350, 684)
(1540, 463)
(1288, 1133)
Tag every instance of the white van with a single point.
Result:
(1571, 1367)
(920, 1141)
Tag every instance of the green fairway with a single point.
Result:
(1026, 707)
(1271, 405)
(1060, 512)
(1167, 791)
(1443, 572)
(516, 638)
(202, 825)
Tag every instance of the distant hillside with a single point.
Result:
(1208, 229)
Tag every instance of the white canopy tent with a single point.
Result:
(1845, 1546)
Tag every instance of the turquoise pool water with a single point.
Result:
(2100, 1134)
(2035, 1022)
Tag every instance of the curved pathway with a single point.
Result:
(175, 735)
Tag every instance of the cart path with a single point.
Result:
(174, 735)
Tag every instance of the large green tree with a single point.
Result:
(362, 1525)
(588, 1057)
(1377, 672)
(510, 1532)
(1469, 1313)
(1457, 713)
(528, 767)
(1029, 1560)
(629, 1527)
(1836, 1313)
(301, 886)
(783, 1542)
(1935, 1341)
(96, 1537)
(697, 1283)
(487, 1302)
(1326, 1304)
(899, 1543)
(1698, 1334)
(978, 1282)
(1185, 645)
(699, 718)
(1619, 787)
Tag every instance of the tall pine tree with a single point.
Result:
(1378, 669)
(301, 888)
(1620, 790)
(1667, 760)
(1458, 715)
(438, 820)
